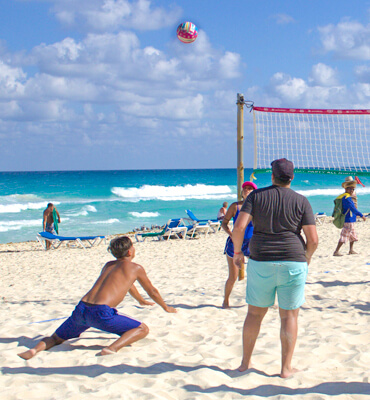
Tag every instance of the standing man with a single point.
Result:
(51, 219)
(350, 211)
(278, 261)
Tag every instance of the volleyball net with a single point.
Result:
(316, 140)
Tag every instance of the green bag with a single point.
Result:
(338, 215)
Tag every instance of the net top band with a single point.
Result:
(310, 111)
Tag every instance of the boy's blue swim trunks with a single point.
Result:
(97, 316)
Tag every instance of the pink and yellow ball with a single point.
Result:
(187, 32)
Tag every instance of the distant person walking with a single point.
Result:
(350, 211)
(222, 211)
(50, 221)
(233, 212)
(278, 261)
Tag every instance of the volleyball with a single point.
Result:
(187, 32)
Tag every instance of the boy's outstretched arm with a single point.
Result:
(138, 297)
(144, 281)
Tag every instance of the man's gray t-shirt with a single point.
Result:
(278, 216)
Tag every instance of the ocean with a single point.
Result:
(112, 202)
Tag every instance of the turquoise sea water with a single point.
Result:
(109, 202)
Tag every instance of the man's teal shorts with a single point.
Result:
(266, 278)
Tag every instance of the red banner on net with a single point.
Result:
(310, 111)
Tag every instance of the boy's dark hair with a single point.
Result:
(120, 246)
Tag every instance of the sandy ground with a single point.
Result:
(192, 354)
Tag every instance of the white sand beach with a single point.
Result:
(192, 354)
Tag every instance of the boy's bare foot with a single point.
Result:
(106, 352)
(352, 252)
(285, 373)
(26, 355)
(337, 254)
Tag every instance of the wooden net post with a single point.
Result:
(240, 165)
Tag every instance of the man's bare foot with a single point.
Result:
(243, 367)
(225, 305)
(106, 352)
(286, 373)
(337, 254)
(26, 355)
(352, 252)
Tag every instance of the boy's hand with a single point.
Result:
(170, 309)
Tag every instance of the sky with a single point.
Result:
(106, 84)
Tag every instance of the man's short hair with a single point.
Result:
(120, 246)
(225, 204)
(50, 204)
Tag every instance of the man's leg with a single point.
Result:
(233, 276)
(288, 337)
(129, 337)
(251, 329)
(44, 344)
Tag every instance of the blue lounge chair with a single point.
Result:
(214, 224)
(174, 228)
(56, 240)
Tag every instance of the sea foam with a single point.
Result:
(144, 214)
(173, 193)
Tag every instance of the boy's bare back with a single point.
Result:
(113, 283)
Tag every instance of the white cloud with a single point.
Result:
(11, 81)
(362, 73)
(347, 39)
(283, 19)
(323, 75)
(110, 15)
(287, 91)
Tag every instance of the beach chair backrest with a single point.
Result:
(191, 215)
(173, 223)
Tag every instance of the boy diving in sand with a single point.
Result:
(96, 308)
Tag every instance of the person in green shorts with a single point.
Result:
(279, 258)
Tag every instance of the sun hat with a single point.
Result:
(253, 185)
(283, 169)
(349, 182)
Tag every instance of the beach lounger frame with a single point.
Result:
(56, 240)
(172, 228)
(214, 224)
(320, 218)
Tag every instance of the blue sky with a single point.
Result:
(105, 84)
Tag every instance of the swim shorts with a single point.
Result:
(97, 316)
(50, 228)
(229, 247)
(348, 233)
(266, 278)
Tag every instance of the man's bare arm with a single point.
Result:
(144, 281)
(312, 240)
(238, 236)
(45, 217)
(138, 297)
